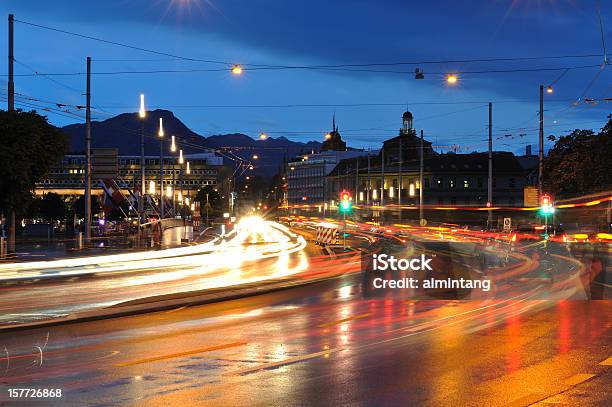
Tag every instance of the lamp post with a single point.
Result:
(160, 133)
(142, 114)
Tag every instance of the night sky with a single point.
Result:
(368, 105)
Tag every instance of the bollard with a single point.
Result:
(79, 240)
(2, 247)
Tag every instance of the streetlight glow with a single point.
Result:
(160, 132)
(255, 156)
(173, 145)
(141, 112)
(263, 136)
(327, 136)
(151, 187)
(188, 169)
(181, 159)
(451, 79)
(237, 69)
(549, 89)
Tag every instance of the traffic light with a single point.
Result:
(345, 202)
(546, 206)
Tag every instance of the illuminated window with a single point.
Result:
(466, 183)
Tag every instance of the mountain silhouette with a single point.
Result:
(123, 132)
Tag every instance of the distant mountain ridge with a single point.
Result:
(123, 132)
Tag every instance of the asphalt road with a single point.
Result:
(529, 341)
(324, 344)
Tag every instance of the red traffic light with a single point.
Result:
(545, 200)
(345, 196)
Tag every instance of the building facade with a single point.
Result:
(68, 176)
(392, 176)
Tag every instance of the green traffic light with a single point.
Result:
(345, 206)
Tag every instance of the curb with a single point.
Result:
(164, 303)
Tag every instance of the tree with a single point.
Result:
(579, 163)
(79, 206)
(29, 147)
(214, 200)
(52, 207)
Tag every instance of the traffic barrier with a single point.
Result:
(326, 235)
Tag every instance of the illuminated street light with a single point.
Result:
(181, 159)
(173, 145)
(411, 191)
(151, 187)
(237, 69)
(142, 112)
(188, 169)
(549, 89)
(327, 136)
(451, 79)
(160, 132)
(255, 156)
(250, 167)
(263, 136)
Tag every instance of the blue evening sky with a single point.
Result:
(322, 32)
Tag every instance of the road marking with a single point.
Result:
(577, 379)
(176, 355)
(287, 361)
(176, 309)
(527, 400)
(607, 362)
(340, 321)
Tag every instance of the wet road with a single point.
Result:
(324, 344)
(528, 341)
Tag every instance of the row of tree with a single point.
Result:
(580, 163)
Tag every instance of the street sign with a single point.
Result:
(104, 163)
(507, 223)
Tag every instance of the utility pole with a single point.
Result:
(11, 107)
(541, 152)
(490, 179)
(161, 170)
(357, 182)
(421, 218)
(88, 154)
(369, 181)
(11, 83)
(382, 186)
(399, 186)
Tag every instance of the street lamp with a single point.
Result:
(173, 145)
(255, 156)
(160, 133)
(263, 136)
(237, 69)
(142, 114)
(327, 136)
(451, 79)
(181, 159)
(549, 89)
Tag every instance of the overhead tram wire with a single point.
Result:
(273, 66)
(185, 71)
